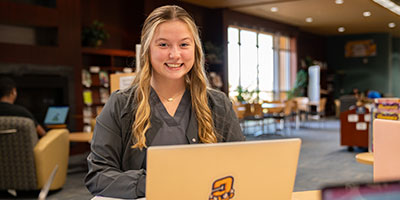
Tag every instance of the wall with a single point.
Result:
(311, 45)
(122, 20)
(360, 72)
(395, 73)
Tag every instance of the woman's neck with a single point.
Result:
(168, 89)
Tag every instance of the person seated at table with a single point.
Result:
(373, 94)
(8, 95)
(168, 104)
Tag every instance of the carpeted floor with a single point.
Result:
(322, 161)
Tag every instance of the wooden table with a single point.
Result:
(365, 158)
(273, 107)
(80, 136)
(307, 195)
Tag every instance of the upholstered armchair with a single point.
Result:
(25, 161)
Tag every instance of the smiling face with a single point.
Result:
(172, 51)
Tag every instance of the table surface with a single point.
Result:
(304, 195)
(365, 158)
(80, 136)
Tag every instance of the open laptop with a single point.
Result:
(367, 191)
(45, 190)
(386, 137)
(56, 115)
(236, 170)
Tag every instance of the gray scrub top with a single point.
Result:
(173, 128)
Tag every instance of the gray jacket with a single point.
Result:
(116, 169)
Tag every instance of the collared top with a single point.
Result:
(174, 128)
(116, 169)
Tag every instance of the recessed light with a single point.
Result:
(392, 25)
(341, 29)
(366, 14)
(274, 9)
(309, 19)
(339, 1)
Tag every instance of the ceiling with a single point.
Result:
(327, 16)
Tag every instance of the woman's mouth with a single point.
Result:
(173, 65)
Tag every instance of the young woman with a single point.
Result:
(168, 104)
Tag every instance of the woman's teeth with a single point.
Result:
(174, 65)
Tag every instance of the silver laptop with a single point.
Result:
(45, 190)
(236, 170)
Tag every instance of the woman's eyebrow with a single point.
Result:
(160, 39)
(187, 38)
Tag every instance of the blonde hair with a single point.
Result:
(195, 78)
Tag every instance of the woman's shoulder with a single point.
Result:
(216, 94)
(217, 98)
(122, 99)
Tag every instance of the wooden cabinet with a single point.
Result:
(354, 127)
(97, 65)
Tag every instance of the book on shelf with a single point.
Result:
(87, 115)
(104, 95)
(104, 80)
(87, 97)
(86, 78)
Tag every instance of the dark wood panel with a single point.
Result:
(111, 52)
(25, 14)
(15, 53)
(122, 20)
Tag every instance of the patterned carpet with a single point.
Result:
(322, 161)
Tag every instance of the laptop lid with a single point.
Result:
(386, 137)
(235, 170)
(56, 115)
(45, 190)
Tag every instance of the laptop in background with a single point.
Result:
(235, 170)
(366, 191)
(56, 116)
(386, 137)
(45, 190)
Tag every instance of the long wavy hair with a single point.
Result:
(195, 79)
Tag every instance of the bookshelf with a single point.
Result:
(97, 66)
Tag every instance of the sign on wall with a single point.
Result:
(360, 48)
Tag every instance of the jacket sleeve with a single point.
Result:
(105, 176)
(231, 128)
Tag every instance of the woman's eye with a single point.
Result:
(163, 45)
(184, 45)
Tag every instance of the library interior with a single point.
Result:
(305, 90)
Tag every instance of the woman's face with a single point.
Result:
(171, 51)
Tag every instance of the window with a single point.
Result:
(259, 62)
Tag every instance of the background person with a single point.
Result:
(8, 93)
(168, 104)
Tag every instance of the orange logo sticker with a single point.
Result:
(222, 189)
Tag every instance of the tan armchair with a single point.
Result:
(26, 162)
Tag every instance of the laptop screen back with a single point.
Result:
(234, 170)
(386, 137)
(367, 191)
(56, 115)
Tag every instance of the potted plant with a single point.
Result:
(94, 35)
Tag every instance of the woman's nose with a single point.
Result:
(174, 52)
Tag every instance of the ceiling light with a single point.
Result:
(341, 29)
(339, 1)
(274, 9)
(389, 5)
(366, 14)
(309, 19)
(392, 25)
